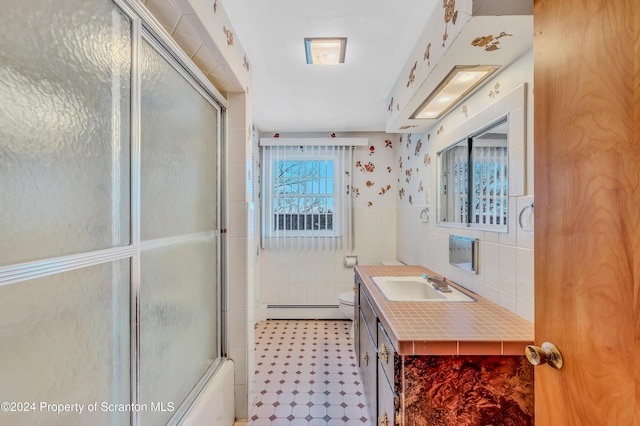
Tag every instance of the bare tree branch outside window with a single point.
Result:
(303, 195)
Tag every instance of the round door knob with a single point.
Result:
(545, 354)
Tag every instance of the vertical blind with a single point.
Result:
(489, 191)
(456, 207)
(306, 193)
(474, 179)
(481, 198)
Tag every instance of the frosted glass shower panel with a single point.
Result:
(179, 136)
(64, 128)
(178, 317)
(65, 339)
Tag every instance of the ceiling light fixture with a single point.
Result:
(325, 51)
(460, 81)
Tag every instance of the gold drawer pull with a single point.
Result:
(383, 354)
(383, 420)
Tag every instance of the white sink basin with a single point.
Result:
(416, 289)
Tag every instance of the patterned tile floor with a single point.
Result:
(306, 374)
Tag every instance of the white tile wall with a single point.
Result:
(237, 254)
(166, 12)
(237, 296)
(525, 309)
(508, 301)
(516, 161)
(237, 182)
(525, 265)
(241, 401)
(509, 238)
(508, 269)
(237, 224)
(489, 259)
(488, 291)
(240, 254)
(191, 24)
(186, 35)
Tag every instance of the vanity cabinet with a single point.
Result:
(368, 366)
(368, 350)
(459, 389)
(387, 403)
(376, 358)
(388, 380)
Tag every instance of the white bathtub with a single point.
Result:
(215, 405)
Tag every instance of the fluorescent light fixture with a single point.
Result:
(325, 51)
(456, 85)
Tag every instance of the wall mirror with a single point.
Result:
(473, 189)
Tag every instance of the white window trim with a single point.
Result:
(269, 196)
(342, 236)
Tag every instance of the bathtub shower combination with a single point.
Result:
(110, 257)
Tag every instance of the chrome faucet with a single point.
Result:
(439, 284)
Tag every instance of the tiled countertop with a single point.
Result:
(456, 328)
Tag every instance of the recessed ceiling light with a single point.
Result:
(325, 50)
(456, 85)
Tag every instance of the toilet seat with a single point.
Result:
(348, 298)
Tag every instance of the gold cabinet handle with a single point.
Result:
(383, 420)
(365, 358)
(383, 354)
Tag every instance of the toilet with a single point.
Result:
(346, 300)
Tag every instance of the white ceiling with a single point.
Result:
(289, 95)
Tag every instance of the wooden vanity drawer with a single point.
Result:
(370, 317)
(388, 402)
(368, 367)
(387, 353)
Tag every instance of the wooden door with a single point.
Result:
(587, 209)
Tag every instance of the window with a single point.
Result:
(303, 194)
(474, 180)
(306, 199)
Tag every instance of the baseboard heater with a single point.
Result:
(301, 306)
(280, 311)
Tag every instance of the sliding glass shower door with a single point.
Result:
(178, 231)
(65, 232)
(109, 216)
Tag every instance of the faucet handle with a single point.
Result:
(440, 284)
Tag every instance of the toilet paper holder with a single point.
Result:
(350, 261)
